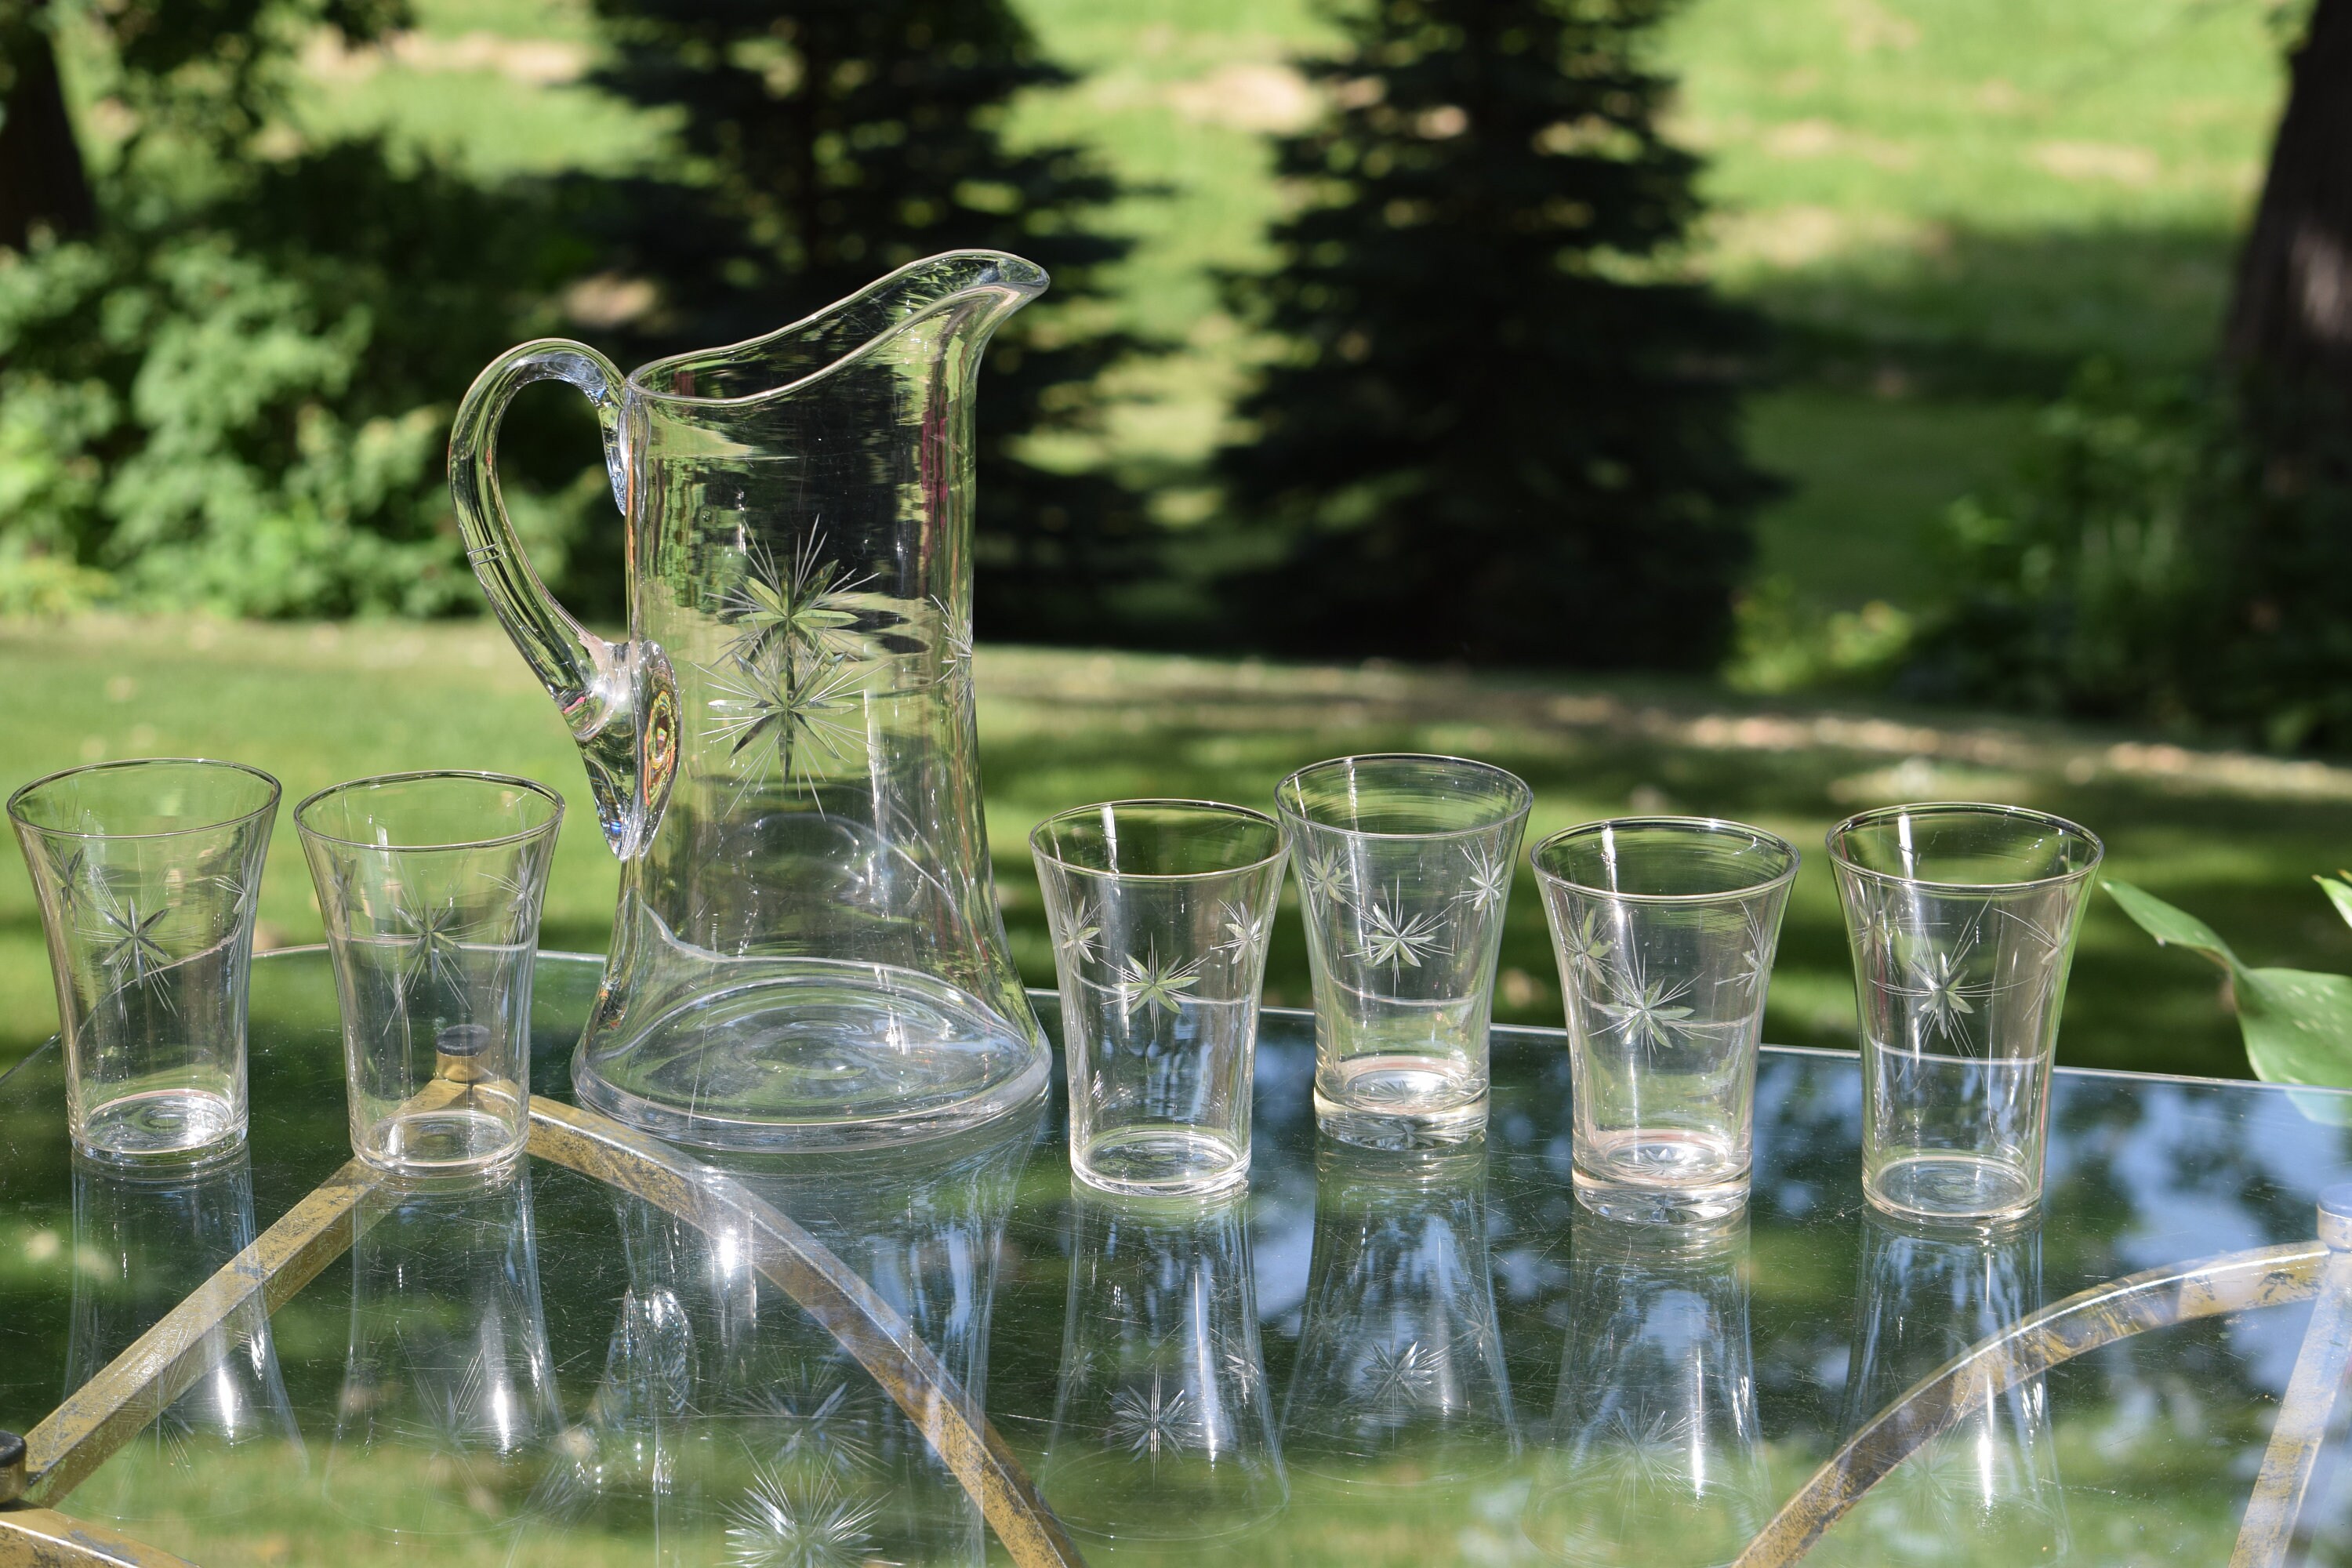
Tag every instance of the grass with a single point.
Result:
(2233, 838)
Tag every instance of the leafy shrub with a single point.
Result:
(2172, 552)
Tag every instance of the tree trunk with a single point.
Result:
(2292, 318)
(41, 178)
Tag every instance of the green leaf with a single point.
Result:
(2172, 927)
(2339, 893)
(2298, 1026)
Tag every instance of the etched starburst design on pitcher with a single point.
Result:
(799, 606)
(784, 713)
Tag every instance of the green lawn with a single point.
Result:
(2234, 839)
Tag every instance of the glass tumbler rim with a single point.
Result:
(1834, 840)
(1522, 795)
(1042, 848)
(553, 822)
(1723, 827)
(274, 793)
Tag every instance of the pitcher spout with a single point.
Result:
(975, 289)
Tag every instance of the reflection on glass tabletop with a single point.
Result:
(1372, 1357)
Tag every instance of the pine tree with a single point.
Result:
(1504, 431)
(828, 141)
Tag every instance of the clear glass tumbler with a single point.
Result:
(1962, 921)
(431, 886)
(148, 873)
(1404, 868)
(1159, 911)
(1665, 929)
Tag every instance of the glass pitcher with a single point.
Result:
(808, 951)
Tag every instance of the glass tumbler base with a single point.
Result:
(1634, 1204)
(1951, 1187)
(163, 1124)
(1391, 1126)
(1159, 1162)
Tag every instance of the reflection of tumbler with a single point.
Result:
(1987, 1490)
(1400, 1376)
(1657, 1457)
(448, 1399)
(1162, 1429)
(730, 1427)
(140, 1245)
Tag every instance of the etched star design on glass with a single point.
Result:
(1640, 1456)
(784, 713)
(1490, 876)
(1586, 949)
(1646, 1009)
(1757, 942)
(800, 604)
(1149, 983)
(1082, 934)
(775, 1524)
(435, 935)
(1150, 1422)
(1396, 940)
(1324, 874)
(955, 637)
(1401, 1376)
(820, 1433)
(132, 952)
(1245, 931)
(1943, 994)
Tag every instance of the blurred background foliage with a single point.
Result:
(1537, 332)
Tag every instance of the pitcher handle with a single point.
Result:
(617, 697)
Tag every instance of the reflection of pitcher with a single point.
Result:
(1656, 1456)
(141, 1244)
(1987, 1491)
(807, 949)
(1400, 1355)
(448, 1400)
(1162, 1430)
(732, 1427)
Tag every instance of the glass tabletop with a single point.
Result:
(1372, 1358)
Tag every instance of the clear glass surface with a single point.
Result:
(1404, 867)
(1162, 1428)
(148, 874)
(431, 886)
(1160, 911)
(1962, 921)
(1665, 929)
(698, 1401)
(1656, 1454)
(807, 949)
